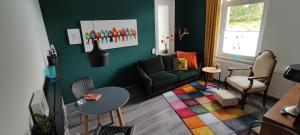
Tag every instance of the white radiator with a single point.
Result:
(278, 87)
(224, 65)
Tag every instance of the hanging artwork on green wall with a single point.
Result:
(109, 34)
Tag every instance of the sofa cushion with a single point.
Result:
(185, 74)
(152, 65)
(163, 79)
(168, 61)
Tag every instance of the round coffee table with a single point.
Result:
(212, 70)
(112, 98)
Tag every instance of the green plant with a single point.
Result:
(44, 124)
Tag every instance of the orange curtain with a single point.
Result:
(211, 32)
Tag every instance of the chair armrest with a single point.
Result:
(231, 69)
(262, 77)
(145, 79)
(271, 124)
(251, 81)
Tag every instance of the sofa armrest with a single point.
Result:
(145, 79)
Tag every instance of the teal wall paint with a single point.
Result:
(61, 15)
(191, 14)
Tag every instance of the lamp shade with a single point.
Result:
(98, 57)
(292, 73)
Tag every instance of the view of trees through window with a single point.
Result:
(242, 29)
(246, 16)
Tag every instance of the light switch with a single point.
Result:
(153, 51)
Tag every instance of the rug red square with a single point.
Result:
(184, 113)
(211, 97)
(179, 91)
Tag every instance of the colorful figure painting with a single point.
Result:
(109, 34)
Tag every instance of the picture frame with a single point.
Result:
(74, 36)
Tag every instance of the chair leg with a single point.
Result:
(80, 118)
(244, 97)
(264, 98)
(226, 85)
(98, 119)
(112, 117)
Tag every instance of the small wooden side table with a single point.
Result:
(212, 70)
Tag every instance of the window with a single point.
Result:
(241, 28)
(164, 24)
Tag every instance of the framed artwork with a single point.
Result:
(74, 36)
(109, 34)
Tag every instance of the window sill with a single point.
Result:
(248, 62)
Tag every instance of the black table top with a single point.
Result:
(111, 99)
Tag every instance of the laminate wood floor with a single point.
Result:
(152, 116)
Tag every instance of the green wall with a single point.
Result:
(61, 15)
(191, 14)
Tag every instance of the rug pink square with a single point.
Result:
(178, 105)
(184, 113)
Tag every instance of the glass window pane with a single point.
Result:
(242, 29)
(163, 23)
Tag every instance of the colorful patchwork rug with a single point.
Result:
(203, 115)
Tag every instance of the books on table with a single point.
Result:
(92, 97)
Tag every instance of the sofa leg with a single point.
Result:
(264, 98)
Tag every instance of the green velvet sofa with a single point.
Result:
(156, 75)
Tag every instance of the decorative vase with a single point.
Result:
(166, 49)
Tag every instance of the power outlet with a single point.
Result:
(153, 51)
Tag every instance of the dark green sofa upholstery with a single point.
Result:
(156, 75)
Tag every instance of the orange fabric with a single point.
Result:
(191, 58)
(211, 32)
(193, 122)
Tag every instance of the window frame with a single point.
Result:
(171, 25)
(223, 19)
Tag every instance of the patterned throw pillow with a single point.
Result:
(180, 64)
(191, 58)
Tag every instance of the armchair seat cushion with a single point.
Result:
(163, 78)
(242, 82)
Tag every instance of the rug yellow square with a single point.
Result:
(203, 100)
(201, 82)
(212, 106)
(235, 111)
(186, 85)
(223, 115)
(202, 131)
(189, 89)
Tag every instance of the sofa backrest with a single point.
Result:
(152, 65)
(168, 61)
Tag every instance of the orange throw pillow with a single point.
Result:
(191, 58)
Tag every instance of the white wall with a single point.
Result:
(23, 43)
(282, 36)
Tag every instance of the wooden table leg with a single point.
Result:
(86, 124)
(112, 117)
(120, 116)
(98, 119)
